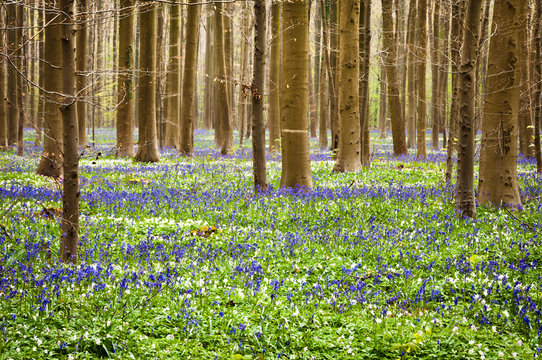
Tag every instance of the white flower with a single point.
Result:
(471, 351)
(170, 337)
(519, 343)
(501, 353)
(471, 342)
(98, 341)
(378, 320)
(494, 328)
(454, 330)
(506, 313)
(514, 354)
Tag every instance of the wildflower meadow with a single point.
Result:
(181, 260)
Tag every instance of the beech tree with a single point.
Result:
(498, 158)
(296, 170)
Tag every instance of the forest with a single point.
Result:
(258, 179)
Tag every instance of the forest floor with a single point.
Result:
(181, 260)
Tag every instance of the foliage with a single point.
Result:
(181, 260)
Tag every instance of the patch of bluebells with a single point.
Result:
(291, 262)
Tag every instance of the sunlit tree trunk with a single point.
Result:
(498, 183)
(224, 123)
(435, 100)
(81, 58)
(171, 127)
(258, 121)
(3, 103)
(334, 93)
(317, 65)
(209, 75)
(383, 106)
(12, 41)
(465, 163)
(390, 55)
(349, 156)
(364, 93)
(420, 72)
(244, 96)
(325, 85)
(186, 144)
(526, 128)
(51, 160)
(296, 170)
(22, 46)
(537, 83)
(147, 145)
(125, 88)
(411, 75)
(274, 78)
(70, 193)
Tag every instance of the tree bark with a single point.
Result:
(383, 106)
(349, 156)
(526, 128)
(223, 100)
(147, 146)
(537, 75)
(420, 72)
(3, 94)
(411, 75)
(125, 98)
(81, 61)
(274, 78)
(70, 193)
(364, 105)
(245, 76)
(465, 163)
(258, 122)
(435, 99)
(53, 144)
(21, 93)
(334, 94)
(296, 170)
(186, 144)
(171, 128)
(390, 56)
(12, 41)
(317, 64)
(498, 158)
(209, 76)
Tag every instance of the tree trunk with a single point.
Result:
(274, 78)
(349, 156)
(411, 75)
(324, 84)
(12, 41)
(70, 193)
(455, 54)
(227, 18)
(41, 75)
(296, 170)
(526, 128)
(334, 46)
(481, 71)
(209, 76)
(171, 128)
(465, 163)
(383, 106)
(147, 146)
(537, 75)
(390, 56)
(81, 61)
(3, 103)
(223, 100)
(444, 65)
(258, 122)
(243, 94)
(435, 100)
(364, 105)
(420, 72)
(21, 93)
(317, 64)
(125, 110)
(498, 158)
(186, 144)
(51, 159)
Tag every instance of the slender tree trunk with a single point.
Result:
(498, 180)
(186, 145)
(227, 18)
(526, 128)
(537, 75)
(274, 78)
(465, 163)
(455, 54)
(444, 65)
(12, 41)
(324, 85)
(390, 56)
(147, 146)
(435, 100)
(296, 170)
(51, 159)
(81, 61)
(21, 93)
(125, 111)
(258, 126)
(411, 75)
(364, 103)
(159, 41)
(209, 76)
(223, 100)
(420, 71)
(349, 156)
(70, 193)
(41, 75)
(171, 128)
(481, 71)
(243, 95)
(3, 94)
(383, 106)
(317, 64)
(334, 46)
